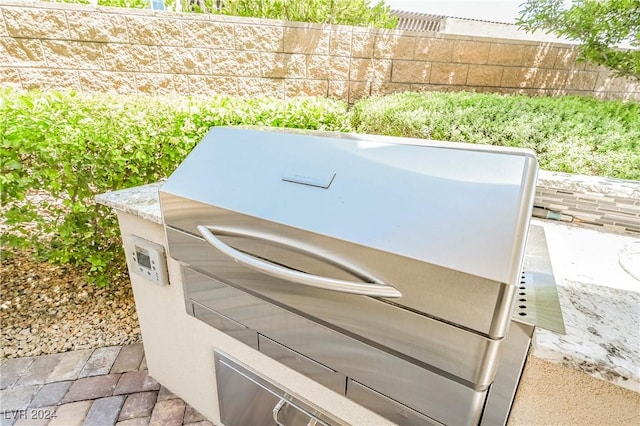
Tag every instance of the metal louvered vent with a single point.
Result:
(415, 21)
(522, 295)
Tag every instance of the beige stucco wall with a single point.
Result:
(87, 48)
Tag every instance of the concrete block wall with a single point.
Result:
(97, 49)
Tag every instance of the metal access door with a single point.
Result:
(246, 398)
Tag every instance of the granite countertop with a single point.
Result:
(598, 287)
(141, 201)
(590, 184)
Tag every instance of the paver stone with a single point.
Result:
(138, 421)
(104, 411)
(17, 398)
(12, 369)
(165, 394)
(129, 359)
(143, 364)
(100, 361)
(91, 388)
(40, 369)
(168, 413)
(138, 405)
(135, 381)
(71, 414)
(6, 419)
(191, 415)
(70, 366)
(36, 416)
(50, 394)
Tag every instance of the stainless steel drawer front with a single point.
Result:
(434, 393)
(302, 364)
(437, 291)
(386, 407)
(470, 357)
(226, 325)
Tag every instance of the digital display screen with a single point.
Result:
(143, 259)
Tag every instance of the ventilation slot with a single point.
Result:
(522, 296)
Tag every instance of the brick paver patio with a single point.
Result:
(101, 387)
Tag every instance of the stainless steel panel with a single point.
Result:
(419, 386)
(302, 364)
(296, 276)
(285, 413)
(537, 300)
(427, 391)
(247, 398)
(459, 206)
(435, 395)
(242, 401)
(469, 357)
(226, 325)
(469, 301)
(503, 390)
(216, 295)
(392, 410)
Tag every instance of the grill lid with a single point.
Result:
(460, 206)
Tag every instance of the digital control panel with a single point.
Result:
(147, 259)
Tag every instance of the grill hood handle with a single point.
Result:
(376, 289)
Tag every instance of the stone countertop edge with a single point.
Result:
(590, 184)
(143, 201)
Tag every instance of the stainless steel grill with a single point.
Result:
(384, 268)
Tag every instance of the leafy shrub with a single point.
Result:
(59, 150)
(343, 12)
(132, 4)
(569, 134)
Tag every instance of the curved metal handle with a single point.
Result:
(325, 283)
(276, 411)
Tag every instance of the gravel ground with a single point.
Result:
(49, 309)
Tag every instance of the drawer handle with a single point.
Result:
(325, 283)
(276, 412)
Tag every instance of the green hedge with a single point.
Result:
(570, 134)
(59, 150)
(338, 12)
